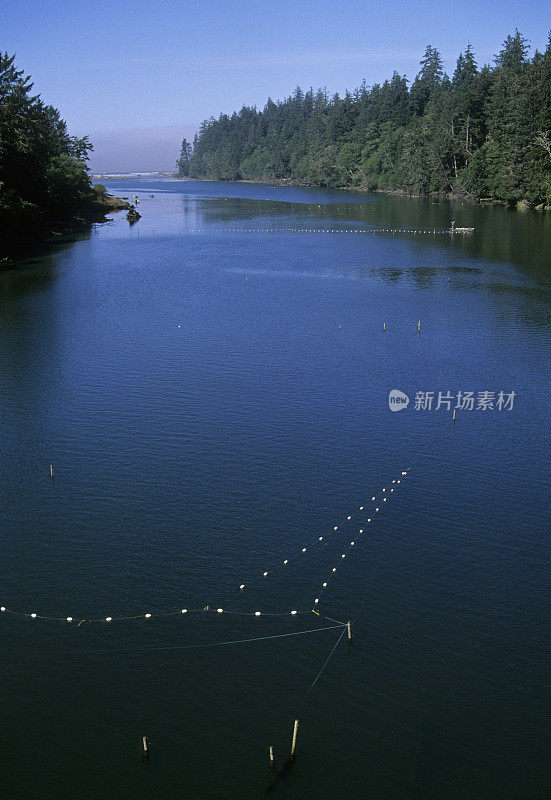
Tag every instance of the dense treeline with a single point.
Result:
(483, 132)
(44, 177)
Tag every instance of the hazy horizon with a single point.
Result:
(138, 149)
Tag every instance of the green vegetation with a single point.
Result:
(484, 132)
(182, 165)
(44, 179)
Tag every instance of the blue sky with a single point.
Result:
(138, 75)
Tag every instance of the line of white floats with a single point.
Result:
(386, 493)
(431, 232)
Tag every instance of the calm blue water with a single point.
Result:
(211, 387)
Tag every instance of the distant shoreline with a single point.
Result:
(522, 205)
(98, 176)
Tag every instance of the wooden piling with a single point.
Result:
(294, 744)
(272, 759)
(145, 747)
(349, 628)
(454, 416)
(51, 471)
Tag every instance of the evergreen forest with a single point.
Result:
(484, 132)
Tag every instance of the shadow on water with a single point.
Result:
(501, 234)
(281, 776)
(25, 256)
(35, 274)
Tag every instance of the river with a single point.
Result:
(211, 388)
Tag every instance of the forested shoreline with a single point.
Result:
(45, 185)
(483, 133)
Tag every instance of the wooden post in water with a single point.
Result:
(349, 631)
(384, 326)
(454, 417)
(51, 471)
(294, 744)
(272, 759)
(145, 748)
